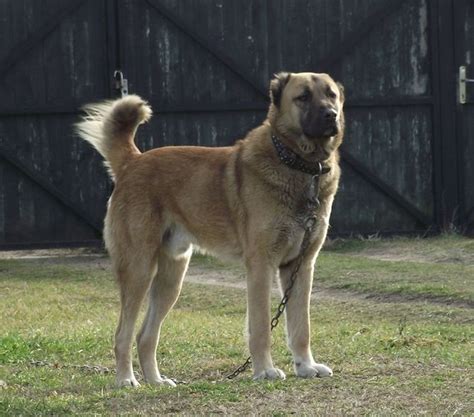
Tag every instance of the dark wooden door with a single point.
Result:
(53, 59)
(464, 58)
(205, 66)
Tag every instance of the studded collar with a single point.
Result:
(294, 161)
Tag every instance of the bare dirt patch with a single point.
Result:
(442, 249)
(375, 284)
(452, 249)
(54, 255)
(207, 274)
(399, 254)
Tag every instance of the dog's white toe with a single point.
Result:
(270, 373)
(316, 370)
(162, 381)
(127, 382)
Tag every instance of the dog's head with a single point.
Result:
(307, 110)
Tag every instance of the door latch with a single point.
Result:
(120, 83)
(462, 84)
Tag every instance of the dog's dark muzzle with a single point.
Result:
(323, 124)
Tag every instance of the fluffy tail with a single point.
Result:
(110, 127)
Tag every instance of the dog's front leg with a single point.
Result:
(298, 320)
(259, 282)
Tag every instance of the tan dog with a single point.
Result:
(241, 201)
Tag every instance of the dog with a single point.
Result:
(246, 201)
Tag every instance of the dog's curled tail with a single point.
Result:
(110, 128)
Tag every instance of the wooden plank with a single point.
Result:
(209, 107)
(389, 101)
(209, 46)
(53, 191)
(393, 60)
(114, 58)
(352, 39)
(21, 50)
(436, 114)
(50, 109)
(11, 206)
(360, 208)
(393, 144)
(449, 193)
(50, 244)
(3, 201)
(385, 189)
(463, 14)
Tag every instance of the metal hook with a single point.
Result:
(121, 83)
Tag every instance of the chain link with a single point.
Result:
(99, 369)
(309, 225)
(284, 301)
(240, 369)
(96, 369)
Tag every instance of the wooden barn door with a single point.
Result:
(54, 57)
(205, 66)
(464, 59)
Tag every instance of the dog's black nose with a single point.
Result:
(329, 114)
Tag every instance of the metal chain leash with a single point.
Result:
(309, 225)
(240, 369)
(96, 369)
(286, 296)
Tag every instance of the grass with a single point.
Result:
(389, 358)
(440, 268)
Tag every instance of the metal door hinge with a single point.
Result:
(462, 80)
(120, 83)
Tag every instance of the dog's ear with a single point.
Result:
(341, 91)
(277, 86)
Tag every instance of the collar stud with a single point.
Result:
(294, 161)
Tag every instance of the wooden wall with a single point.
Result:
(205, 67)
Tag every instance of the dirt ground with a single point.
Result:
(218, 274)
(405, 249)
(446, 249)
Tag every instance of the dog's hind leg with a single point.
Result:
(164, 292)
(134, 280)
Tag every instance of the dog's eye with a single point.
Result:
(304, 97)
(331, 94)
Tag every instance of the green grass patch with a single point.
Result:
(445, 248)
(447, 282)
(435, 269)
(438, 268)
(397, 358)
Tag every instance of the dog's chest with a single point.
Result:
(292, 226)
(299, 200)
(291, 234)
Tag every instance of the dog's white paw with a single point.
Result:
(315, 370)
(127, 382)
(162, 381)
(270, 373)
